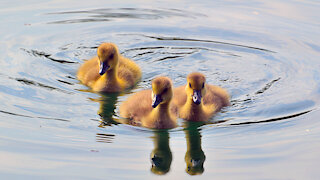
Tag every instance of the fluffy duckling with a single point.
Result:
(198, 101)
(152, 108)
(109, 71)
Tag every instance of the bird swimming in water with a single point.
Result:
(152, 108)
(198, 101)
(109, 71)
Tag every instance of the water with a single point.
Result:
(266, 54)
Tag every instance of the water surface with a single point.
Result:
(266, 54)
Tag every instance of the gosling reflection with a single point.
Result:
(105, 138)
(194, 156)
(161, 155)
(107, 106)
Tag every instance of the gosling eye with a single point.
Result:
(190, 85)
(111, 56)
(202, 85)
(165, 90)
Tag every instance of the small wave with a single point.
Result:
(65, 82)
(33, 83)
(109, 14)
(208, 41)
(161, 50)
(37, 53)
(105, 138)
(37, 117)
(168, 57)
(267, 86)
(272, 119)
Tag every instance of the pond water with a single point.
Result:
(266, 54)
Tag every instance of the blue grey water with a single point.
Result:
(265, 53)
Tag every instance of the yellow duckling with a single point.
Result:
(198, 101)
(109, 71)
(152, 108)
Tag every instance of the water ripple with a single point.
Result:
(37, 53)
(207, 41)
(38, 117)
(268, 85)
(272, 119)
(30, 82)
(109, 14)
(105, 138)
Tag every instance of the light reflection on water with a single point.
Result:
(266, 59)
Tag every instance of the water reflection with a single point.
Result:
(194, 157)
(107, 106)
(104, 138)
(161, 155)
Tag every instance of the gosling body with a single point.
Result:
(198, 101)
(152, 108)
(109, 71)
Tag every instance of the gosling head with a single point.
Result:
(108, 57)
(195, 87)
(161, 91)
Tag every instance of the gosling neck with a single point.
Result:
(110, 82)
(162, 110)
(161, 117)
(111, 74)
(190, 106)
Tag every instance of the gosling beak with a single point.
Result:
(196, 97)
(156, 100)
(103, 68)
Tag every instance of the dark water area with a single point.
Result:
(265, 54)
